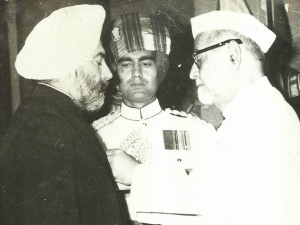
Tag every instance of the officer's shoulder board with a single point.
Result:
(184, 115)
(106, 120)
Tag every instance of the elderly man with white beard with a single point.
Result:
(53, 168)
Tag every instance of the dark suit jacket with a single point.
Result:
(53, 168)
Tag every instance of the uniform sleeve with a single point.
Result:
(42, 186)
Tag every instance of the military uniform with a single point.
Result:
(151, 134)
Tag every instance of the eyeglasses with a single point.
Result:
(197, 52)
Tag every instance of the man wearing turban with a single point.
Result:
(142, 132)
(53, 168)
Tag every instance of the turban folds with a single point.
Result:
(137, 32)
(61, 43)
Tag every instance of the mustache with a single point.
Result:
(100, 87)
(104, 86)
(134, 82)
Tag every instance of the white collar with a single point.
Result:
(48, 85)
(146, 112)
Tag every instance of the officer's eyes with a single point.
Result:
(126, 64)
(147, 63)
(144, 63)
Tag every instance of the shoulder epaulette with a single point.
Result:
(102, 122)
(183, 114)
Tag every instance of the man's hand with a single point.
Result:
(122, 165)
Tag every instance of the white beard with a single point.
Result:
(91, 94)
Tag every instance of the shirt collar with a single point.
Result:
(55, 88)
(60, 99)
(245, 97)
(146, 112)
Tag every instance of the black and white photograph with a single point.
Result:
(150, 112)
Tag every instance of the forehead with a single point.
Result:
(99, 49)
(202, 40)
(137, 55)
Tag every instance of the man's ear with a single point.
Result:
(234, 53)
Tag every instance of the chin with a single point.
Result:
(93, 109)
(205, 98)
(142, 96)
(206, 102)
(92, 103)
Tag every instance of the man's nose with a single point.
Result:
(194, 74)
(136, 70)
(105, 71)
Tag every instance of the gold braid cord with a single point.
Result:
(137, 146)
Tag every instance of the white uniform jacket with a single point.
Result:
(152, 135)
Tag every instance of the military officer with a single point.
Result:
(142, 132)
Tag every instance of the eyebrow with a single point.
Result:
(140, 59)
(102, 54)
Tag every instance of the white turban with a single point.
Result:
(242, 23)
(60, 43)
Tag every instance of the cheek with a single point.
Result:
(122, 80)
(123, 74)
(92, 69)
(122, 83)
(152, 70)
(152, 77)
(149, 72)
(206, 78)
(212, 76)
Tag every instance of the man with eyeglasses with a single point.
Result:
(253, 177)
